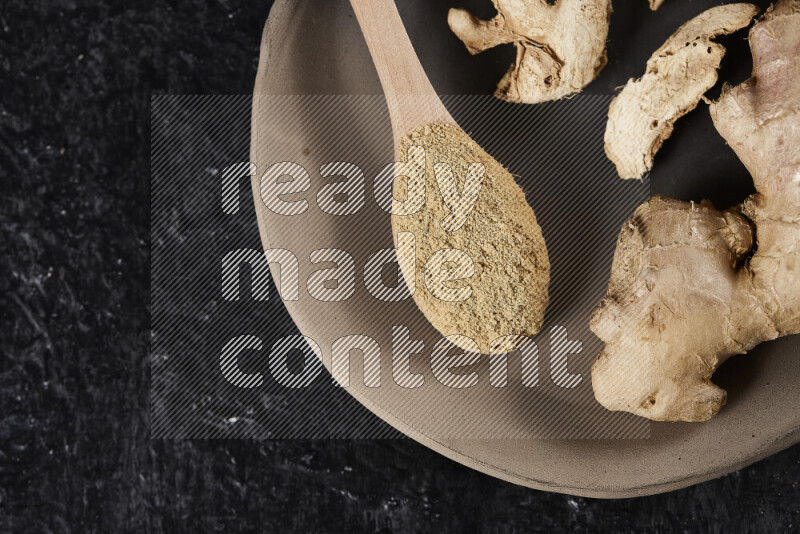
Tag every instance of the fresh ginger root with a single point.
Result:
(643, 115)
(690, 285)
(560, 47)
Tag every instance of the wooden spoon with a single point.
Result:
(411, 99)
(502, 305)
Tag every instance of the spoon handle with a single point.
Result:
(411, 99)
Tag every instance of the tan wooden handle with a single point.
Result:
(411, 99)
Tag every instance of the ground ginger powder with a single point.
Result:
(487, 278)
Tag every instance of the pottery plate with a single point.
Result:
(314, 47)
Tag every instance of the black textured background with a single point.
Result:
(76, 78)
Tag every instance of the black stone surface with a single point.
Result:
(75, 453)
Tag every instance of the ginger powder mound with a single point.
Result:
(471, 253)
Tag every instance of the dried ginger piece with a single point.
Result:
(643, 115)
(560, 47)
(690, 285)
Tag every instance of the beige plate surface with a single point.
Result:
(315, 47)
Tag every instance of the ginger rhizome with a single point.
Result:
(642, 116)
(560, 47)
(691, 285)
